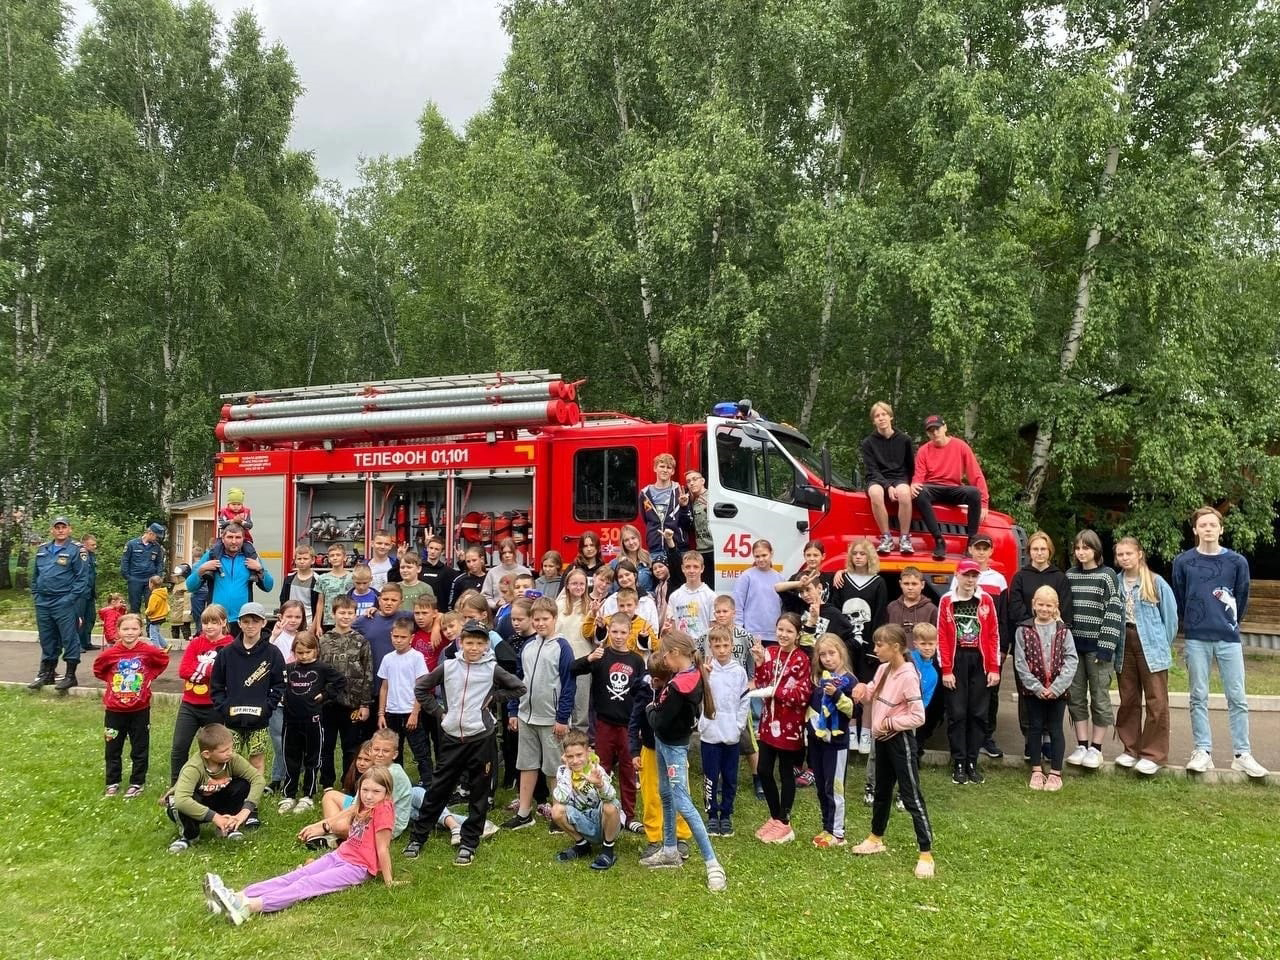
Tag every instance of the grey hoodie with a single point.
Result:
(469, 692)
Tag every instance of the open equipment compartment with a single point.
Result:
(332, 509)
(491, 505)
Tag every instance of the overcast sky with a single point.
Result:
(369, 66)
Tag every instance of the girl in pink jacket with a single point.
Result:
(897, 709)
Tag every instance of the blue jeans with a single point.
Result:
(673, 788)
(275, 726)
(1230, 657)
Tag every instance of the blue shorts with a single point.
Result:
(586, 822)
(347, 801)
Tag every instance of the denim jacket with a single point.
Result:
(1157, 624)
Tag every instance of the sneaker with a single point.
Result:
(513, 806)
(488, 830)
(939, 550)
(286, 805)
(234, 835)
(804, 778)
(576, 852)
(838, 841)
(412, 849)
(974, 773)
(135, 790)
(518, 822)
(464, 857)
(959, 775)
(1076, 756)
(181, 845)
(270, 788)
(1092, 759)
(605, 859)
(544, 811)
(682, 848)
(661, 858)
(905, 546)
(759, 788)
(886, 544)
(869, 847)
(1250, 767)
(211, 882)
(716, 880)
(252, 823)
(1200, 762)
(231, 904)
(784, 834)
(455, 836)
(325, 840)
(713, 826)
(304, 805)
(1148, 768)
(992, 749)
(766, 829)
(924, 868)
(900, 805)
(726, 826)
(635, 826)
(1126, 760)
(864, 742)
(650, 849)
(1053, 783)
(822, 841)
(112, 790)
(1037, 780)
(868, 797)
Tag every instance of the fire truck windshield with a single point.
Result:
(803, 452)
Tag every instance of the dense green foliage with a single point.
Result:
(1018, 876)
(1054, 222)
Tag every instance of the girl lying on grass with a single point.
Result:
(365, 852)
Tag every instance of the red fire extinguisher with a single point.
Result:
(402, 518)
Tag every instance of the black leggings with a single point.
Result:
(787, 762)
(191, 717)
(1045, 716)
(895, 759)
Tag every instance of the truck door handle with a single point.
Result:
(802, 526)
(569, 537)
(725, 510)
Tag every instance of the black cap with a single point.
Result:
(475, 627)
(979, 538)
(934, 420)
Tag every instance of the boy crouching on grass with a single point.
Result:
(586, 804)
(216, 786)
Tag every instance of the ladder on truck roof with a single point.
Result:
(394, 386)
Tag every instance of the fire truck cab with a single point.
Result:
(475, 459)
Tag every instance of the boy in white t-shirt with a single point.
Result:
(691, 608)
(380, 563)
(397, 705)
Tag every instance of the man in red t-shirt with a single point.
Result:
(946, 471)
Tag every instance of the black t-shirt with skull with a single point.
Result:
(613, 680)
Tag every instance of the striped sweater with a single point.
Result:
(1097, 611)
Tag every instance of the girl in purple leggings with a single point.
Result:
(366, 852)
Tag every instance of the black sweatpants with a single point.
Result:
(230, 799)
(473, 760)
(966, 496)
(191, 717)
(339, 729)
(419, 741)
(135, 726)
(896, 766)
(967, 706)
(786, 762)
(934, 714)
(303, 736)
(1045, 716)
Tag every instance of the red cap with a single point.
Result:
(968, 566)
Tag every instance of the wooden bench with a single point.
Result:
(1261, 626)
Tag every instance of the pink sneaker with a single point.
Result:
(766, 829)
(1037, 780)
(1053, 782)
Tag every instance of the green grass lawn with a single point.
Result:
(1261, 675)
(1111, 867)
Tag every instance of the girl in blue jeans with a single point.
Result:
(673, 716)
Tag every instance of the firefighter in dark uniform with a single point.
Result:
(89, 606)
(58, 585)
(140, 562)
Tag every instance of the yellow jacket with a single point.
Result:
(639, 626)
(158, 605)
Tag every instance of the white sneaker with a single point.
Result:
(1148, 768)
(1248, 766)
(1126, 760)
(1092, 758)
(864, 742)
(285, 806)
(1200, 762)
(489, 829)
(1076, 757)
(304, 805)
(716, 880)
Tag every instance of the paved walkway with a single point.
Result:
(20, 658)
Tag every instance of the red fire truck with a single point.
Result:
(477, 458)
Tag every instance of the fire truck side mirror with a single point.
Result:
(809, 497)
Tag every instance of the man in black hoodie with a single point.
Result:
(247, 685)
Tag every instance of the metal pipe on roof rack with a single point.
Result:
(396, 400)
(423, 420)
